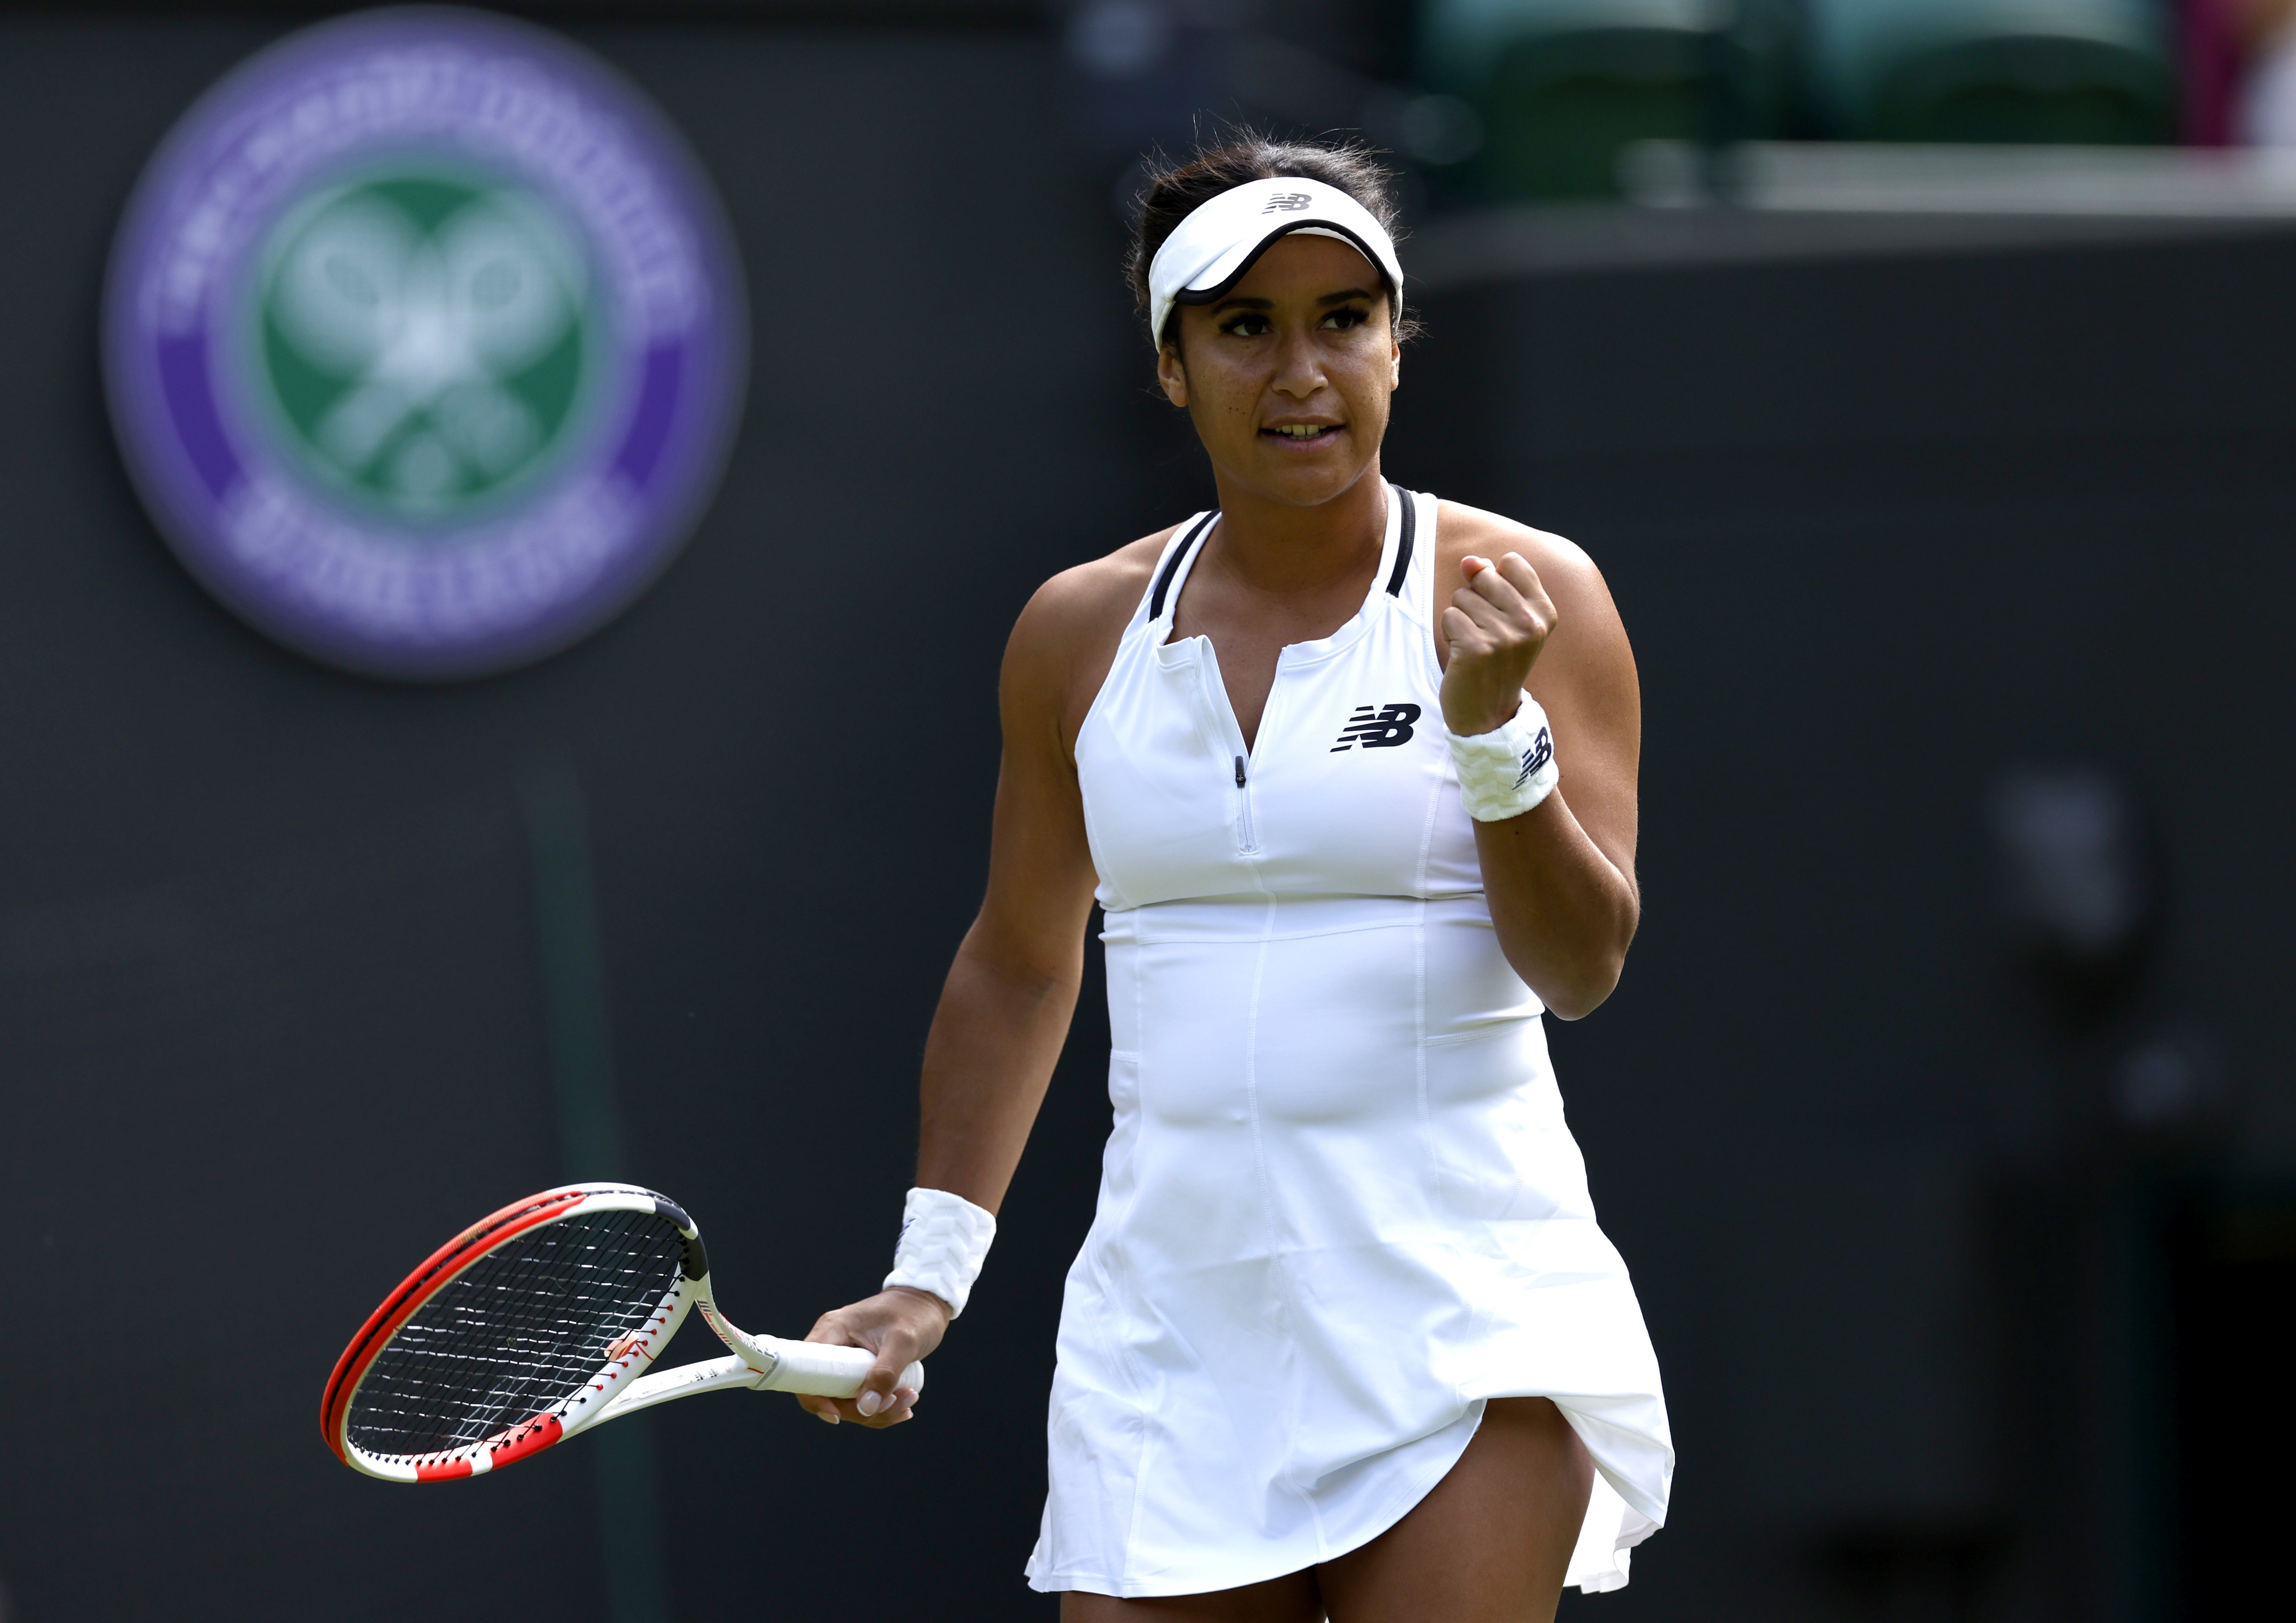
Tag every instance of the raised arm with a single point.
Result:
(1531, 609)
(1005, 1007)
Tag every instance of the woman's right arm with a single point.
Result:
(1004, 1009)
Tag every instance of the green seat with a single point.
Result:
(2080, 71)
(1562, 85)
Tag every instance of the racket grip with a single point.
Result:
(822, 1371)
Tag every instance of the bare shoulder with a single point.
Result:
(1082, 604)
(1564, 568)
(1066, 636)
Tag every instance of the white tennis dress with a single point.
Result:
(1340, 1207)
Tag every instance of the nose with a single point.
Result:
(1298, 368)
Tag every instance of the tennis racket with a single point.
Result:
(535, 1324)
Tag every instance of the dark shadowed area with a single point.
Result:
(1952, 1270)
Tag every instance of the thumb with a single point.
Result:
(1472, 566)
(884, 1378)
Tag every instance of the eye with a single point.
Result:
(1245, 324)
(1347, 316)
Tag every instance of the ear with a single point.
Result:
(1173, 376)
(1394, 368)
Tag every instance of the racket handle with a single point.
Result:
(814, 1368)
(820, 1371)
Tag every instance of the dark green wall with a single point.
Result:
(272, 1022)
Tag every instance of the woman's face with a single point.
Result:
(1287, 379)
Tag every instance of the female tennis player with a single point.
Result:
(1352, 772)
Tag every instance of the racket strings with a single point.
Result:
(522, 1329)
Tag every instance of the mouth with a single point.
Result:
(1303, 433)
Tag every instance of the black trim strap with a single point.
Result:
(1403, 544)
(1172, 564)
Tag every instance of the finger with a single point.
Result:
(1525, 580)
(903, 1405)
(849, 1410)
(830, 1330)
(895, 1351)
(1472, 566)
(1522, 576)
(820, 1408)
(1461, 631)
(1496, 620)
(1492, 586)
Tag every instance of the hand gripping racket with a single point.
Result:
(535, 1324)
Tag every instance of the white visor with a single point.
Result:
(1208, 252)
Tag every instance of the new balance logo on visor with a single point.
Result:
(1389, 727)
(1541, 751)
(1287, 202)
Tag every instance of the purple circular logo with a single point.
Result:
(424, 339)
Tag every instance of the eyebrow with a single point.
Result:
(1241, 302)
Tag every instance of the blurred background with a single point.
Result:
(1921, 372)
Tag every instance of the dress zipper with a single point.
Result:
(1246, 841)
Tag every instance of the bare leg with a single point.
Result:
(1291, 1599)
(1490, 1544)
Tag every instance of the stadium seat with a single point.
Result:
(2087, 71)
(1562, 85)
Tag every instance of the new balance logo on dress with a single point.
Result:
(1389, 727)
(1287, 202)
(1541, 751)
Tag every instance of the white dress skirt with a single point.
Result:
(1340, 1207)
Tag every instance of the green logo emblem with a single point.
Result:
(428, 340)
(424, 341)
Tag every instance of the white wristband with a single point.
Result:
(944, 1241)
(1505, 772)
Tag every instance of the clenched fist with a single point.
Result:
(1496, 624)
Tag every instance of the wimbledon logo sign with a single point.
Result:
(424, 342)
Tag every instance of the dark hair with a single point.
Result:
(1172, 192)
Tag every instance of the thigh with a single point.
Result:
(1291, 1599)
(1490, 1544)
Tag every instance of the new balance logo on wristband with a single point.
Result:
(1389, 727)
(1287, 202)
(1541, 751)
